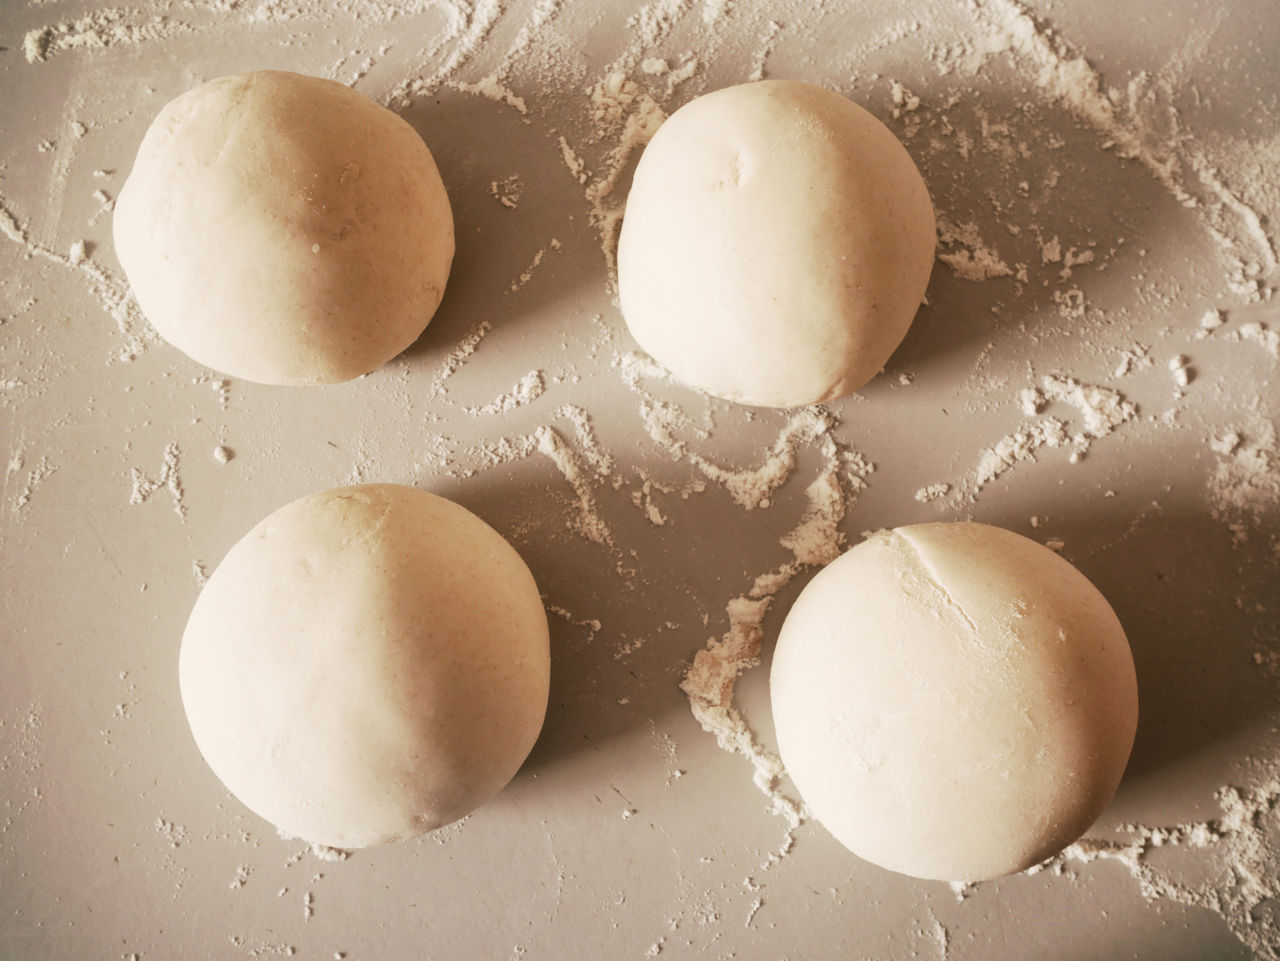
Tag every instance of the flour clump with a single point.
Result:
(776, 244)
(367, 664)
(284, 229)
(954, 701)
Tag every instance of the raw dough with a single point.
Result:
(954, 701)
(367, 664)
(284, 229)
(776, 244)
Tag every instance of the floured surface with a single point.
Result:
(1095, 368)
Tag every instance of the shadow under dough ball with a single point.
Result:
(284, 229)
(776, 244)
(367, 664)
(954, 701)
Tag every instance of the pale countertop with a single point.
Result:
(1108, 227)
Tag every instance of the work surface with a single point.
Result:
(1095, 368)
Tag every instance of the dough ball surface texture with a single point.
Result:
(954, 701)
(776, 244)
(367, 664)
(284, 229)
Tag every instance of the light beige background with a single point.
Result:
(630, 833)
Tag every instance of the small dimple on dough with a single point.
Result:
(735, 174)
(776, 244)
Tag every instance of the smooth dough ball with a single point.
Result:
(284, 229)
(953, 700)
(367, 664)
(776, 244)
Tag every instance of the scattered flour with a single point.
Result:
(527, 274)
(1132, 359)
(592, 625)
(932, 492)
(170, 478)
(43, 470)
(620, 104)
(757, 71)
(507, 191)
(1211, 321)
(587, 521)
(1243, 863)
(22, 745)
(1244, 489)
(528, 389)
(1102, 410)
(712, 676)
(110, 291)
(493, 89)
(1263, 336)
(643, 499)
(751, 487)
(467, 29)
(600, 460)
(1181, 370)
(98, 30)
(242, 876)
(321, 852)
(175, 835)
(1067, 78)
(458, 356)
(967, 254)
(1016, 448)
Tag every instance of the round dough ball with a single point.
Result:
(367, 664)
(954, 701)
(776, 244)
(284, 229)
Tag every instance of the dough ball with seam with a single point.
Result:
(953, 700)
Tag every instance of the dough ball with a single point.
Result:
(284, 229)
(776, 244)
(954, 701)
(367, 664)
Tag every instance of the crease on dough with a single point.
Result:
(933, 581)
